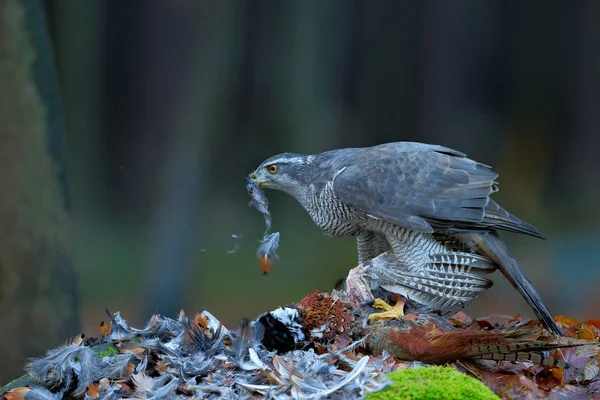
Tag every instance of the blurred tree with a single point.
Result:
(204, 67)
(38, 296)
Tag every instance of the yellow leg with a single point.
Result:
(389, 312)
(381, 305)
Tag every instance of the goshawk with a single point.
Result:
(427, 208)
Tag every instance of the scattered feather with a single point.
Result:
(266, 251)
(258, 200)
(256, 359)
(33, 393)
(114, 367)
(236, 245)
(61, 365)
(270, 241)
(243, 340)
(199, 358)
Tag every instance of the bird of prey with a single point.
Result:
(427, 208)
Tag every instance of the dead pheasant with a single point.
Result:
(414, 342)
(429, 338)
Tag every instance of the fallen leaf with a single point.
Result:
(133, 348)
(516, 318)
(17, 393)
(565, 321)
(591, 369)
(201, 320)
(130, 368)
(105, 329)
(568, 392)
(593, 322)
(76, 340)
(93, 391)
(587, 332)
(161, 367)
(548, 379)
(558, 373)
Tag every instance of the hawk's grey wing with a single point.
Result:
(422, 187)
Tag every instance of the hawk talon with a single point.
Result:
(381, 305)
(395, 312)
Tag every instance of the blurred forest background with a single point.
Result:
(167, 105)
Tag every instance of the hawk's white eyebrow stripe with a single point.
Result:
(286, 160)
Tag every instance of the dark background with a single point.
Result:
(169, 104)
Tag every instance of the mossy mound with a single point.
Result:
(106, 351)
(437, 383)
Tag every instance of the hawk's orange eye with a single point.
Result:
(272, 168)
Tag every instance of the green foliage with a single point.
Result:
(439, 383)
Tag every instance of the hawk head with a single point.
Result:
(286, 172)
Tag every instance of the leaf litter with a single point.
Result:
(199, 357)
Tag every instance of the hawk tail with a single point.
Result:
(493, 246)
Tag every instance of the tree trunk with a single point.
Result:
(38, 296)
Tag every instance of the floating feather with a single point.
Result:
(236, 244)
(266, 252)
(270, 241)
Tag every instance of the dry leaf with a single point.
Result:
(161, 367)
(594, 322)
(105, 329)
(558, 373)
(93, 391)
(130, 368)
(565, 321)
(587, 332)
(549, 378)
(76, 340)
(17, 393)
(516, 318)
(201, 320)
(133, 348)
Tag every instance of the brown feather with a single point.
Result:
(435, 346)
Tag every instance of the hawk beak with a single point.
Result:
(254, 178)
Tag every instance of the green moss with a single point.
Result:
(437, 383)
(107, 352)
